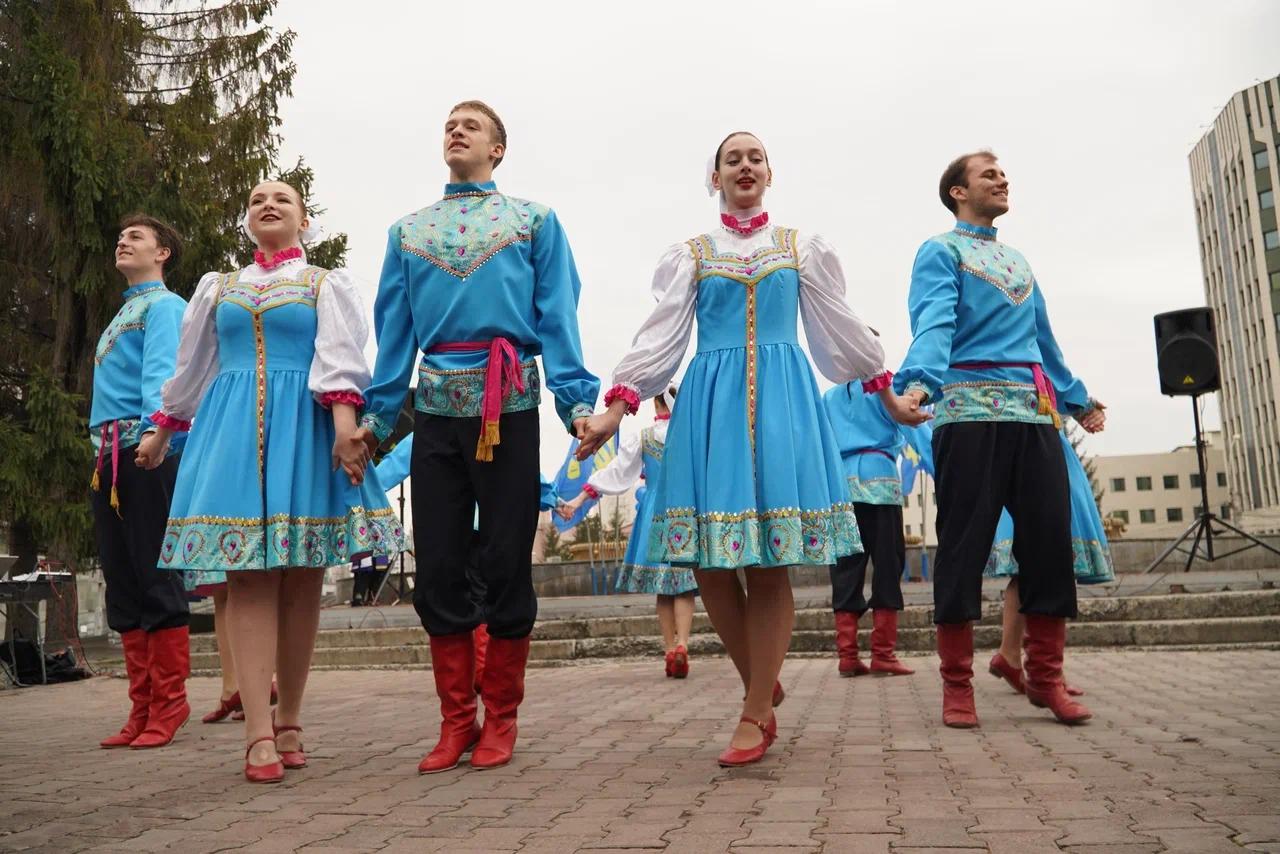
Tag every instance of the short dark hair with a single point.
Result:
(956, 175)
(166, 236)
(499, 129)
(720, 147)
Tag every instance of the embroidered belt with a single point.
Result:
(502, 372)
(1046, 398)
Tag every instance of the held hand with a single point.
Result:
(567, 508)
(907, 409)
(352, 453)
(593, 432)
(151, 451)
(1095, 420)
(367, 436)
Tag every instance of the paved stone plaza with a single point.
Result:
(1183, 756)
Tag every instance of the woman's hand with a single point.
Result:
(593, 432)
(153, 448)
(567, 508)
(906, 409)
(350, 450)
(1095, 420)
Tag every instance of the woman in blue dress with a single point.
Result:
(1089, 548)
(639, 458)
(752, 476)
(272, 488)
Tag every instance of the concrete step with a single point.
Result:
(1094, 634)
(1190, 606)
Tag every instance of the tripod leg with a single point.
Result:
(1250, 537)
(1195, 544)
(1173, 546)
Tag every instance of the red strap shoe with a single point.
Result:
(778, 694)
(291, 759)
(670, 659)
(884, 641)
(736, 757)
(272, 772)
(680, 662)
(225, 707)
(1000, 667)
(135, 665)
(955, 648)
(847, 645)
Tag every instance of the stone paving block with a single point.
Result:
(935, 833)
(855, 843)
(1097, 831)
(1020, 841)
(1254, 828)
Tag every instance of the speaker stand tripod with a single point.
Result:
(1203, 527)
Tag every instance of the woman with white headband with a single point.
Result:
(272, 488)
(639, 458)
(751, 476)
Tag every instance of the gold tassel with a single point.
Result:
(96, 483)
(1045, 407)
(488, 438)
(115, 501)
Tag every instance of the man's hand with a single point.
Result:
(1095, 420)
(352, 453)
(906, 409)
(566, 509)
(364, 434)
(593, 432)
(152, 450)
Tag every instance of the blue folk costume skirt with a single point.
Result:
(1090, 551)
(640, 576)
(751, 486)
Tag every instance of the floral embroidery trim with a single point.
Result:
(260, 392)
(876, 490)
(578, 410)
(992, 400)
(377, 424)
(993, 262)
(352, 398)
(625, 392)
(273, 293)
(459, 393)
(168, 422)
(459, 235)
(650, 445)
(776, 537)
(750, 269)
(975, 235)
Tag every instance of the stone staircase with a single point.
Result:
(1219, 619)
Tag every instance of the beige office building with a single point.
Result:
(1158, 495)
(1235, 176)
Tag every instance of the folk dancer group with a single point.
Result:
(234, 435)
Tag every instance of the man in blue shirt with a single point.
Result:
(136, 353)
(479, 283)
(984, 354)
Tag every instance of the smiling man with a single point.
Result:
(136, 353)
(480, 283)
(984, 354)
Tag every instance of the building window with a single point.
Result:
(1266, 200)
(908, 530)
(1225, 511)
(1260, 159)
(1122, 515)
(906, 501)
(1147, 517)
(1170, 481)
(1271, 239)
(1173, 514)
(1117, 484)
(1195, 480)
(1144, 485)
(1222, 478)
(1275, 281)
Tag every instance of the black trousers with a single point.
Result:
(447, 482)
(881, 528)
(139, 594)
(982, 467)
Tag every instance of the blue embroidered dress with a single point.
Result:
(263, 353)
(974, 301)
(640, 456)
(136, 353)
(1089, 548)
(870, 441)
(751, 474)
(475, 266)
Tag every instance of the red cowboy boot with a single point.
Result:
(884, 640)
(135, 665)
(481, 635)
(169, 661)
(955, 648)
(847, 644)
(1045, 640)
(453, 664)
(503, 692)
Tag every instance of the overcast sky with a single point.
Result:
(612, 110)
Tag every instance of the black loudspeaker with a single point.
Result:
(1187, 352)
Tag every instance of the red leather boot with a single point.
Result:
(1046, 638)
(135, 666)
(481, 640)
(680, 662)
(955, 648)
(847, 644)
(503, 692)
(884, 640)
(169, 660)
(453, 664)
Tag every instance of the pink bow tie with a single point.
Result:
(732, 223)
(277, 259)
